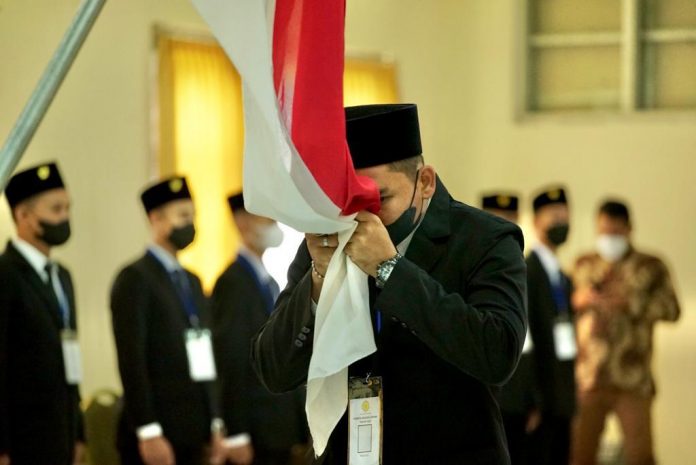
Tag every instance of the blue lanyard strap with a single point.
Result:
(183, 289)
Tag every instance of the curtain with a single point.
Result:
(202, 136)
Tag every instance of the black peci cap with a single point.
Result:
(498, 201)
(168, 190)
(236, 202)
(33, 181)
(381, 134)
(554, 195)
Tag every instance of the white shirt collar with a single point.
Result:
(34, 256)
(169, 261)
(549, 261)
(256, 263)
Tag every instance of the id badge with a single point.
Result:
(564, 340)
(72, 357)
(528, 344)
(365, 421)
(199, 348)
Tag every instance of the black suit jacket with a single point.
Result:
(454, 322)
(149, 322)
(40, 418)
(519, 396)
(274, 421)
(556, 379)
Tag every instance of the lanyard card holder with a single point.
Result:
(365, 421)
(72, 357)
(564, 338)
(199, 349)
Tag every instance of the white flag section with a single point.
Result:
(278, 184)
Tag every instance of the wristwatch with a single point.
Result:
(385, 268)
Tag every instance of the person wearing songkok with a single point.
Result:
(263, 428)
(504, 205)
(518, 398)
(621, 293)
(40, 367)
(551, 327)
(160, 321)
(447, 299)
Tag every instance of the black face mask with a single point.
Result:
(183, 236)
(558, 233)
(55, 233)
(407, 222)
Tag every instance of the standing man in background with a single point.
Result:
(262, 427)
(621, 294)
(551, 329)
(518, 398)
(40, 366)
(160, 320)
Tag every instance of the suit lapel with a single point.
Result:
(29, 275)
(167, 286)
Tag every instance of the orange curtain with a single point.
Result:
(202, 137)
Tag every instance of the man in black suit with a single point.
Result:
(262, 427)
(40, 368)
(447, 293)
(552, 329)
(160, 322)
(518, 398)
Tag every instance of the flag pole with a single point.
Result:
(47, 87)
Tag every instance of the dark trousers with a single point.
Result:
(130, 455)
(551, 442)
(518, 440)
(634, 413)
(271, 457)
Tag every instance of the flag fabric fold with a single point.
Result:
(297, 166)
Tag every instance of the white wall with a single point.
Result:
(456, 60)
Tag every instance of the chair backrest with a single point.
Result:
(101, 424)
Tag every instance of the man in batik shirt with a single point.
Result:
(620, 295)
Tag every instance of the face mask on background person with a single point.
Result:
(558, 233)
(55, 233)
(612, 247)
(183, 236)
(269, 236)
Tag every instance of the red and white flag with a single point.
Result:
(297, 167)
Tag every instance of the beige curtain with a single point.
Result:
(201, 134)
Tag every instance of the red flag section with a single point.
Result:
(308, 62)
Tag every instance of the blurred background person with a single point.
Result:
(160, 319)
(40, 364)
(518, 398)
(263, 428)
(551, 328)
(620, 294)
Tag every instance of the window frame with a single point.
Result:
(630, 40)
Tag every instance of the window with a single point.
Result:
(612, 55)
(200, 134)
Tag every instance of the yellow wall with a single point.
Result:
(456, 59)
